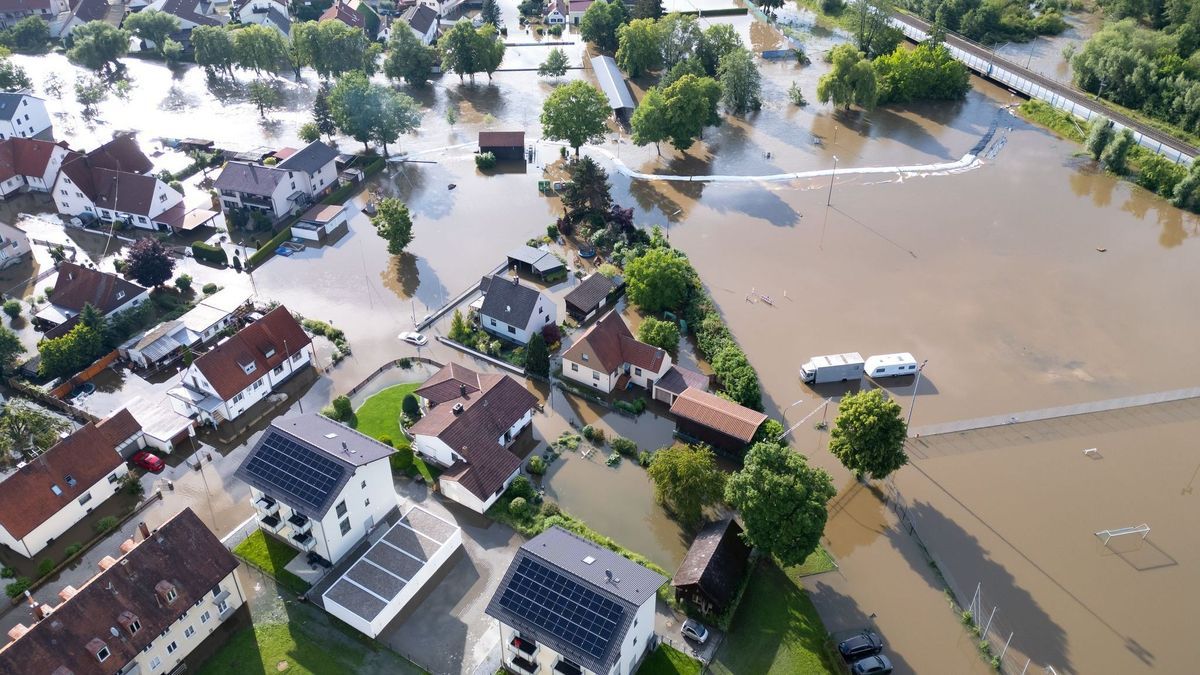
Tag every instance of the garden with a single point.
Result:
(271, 556)
(380, 417)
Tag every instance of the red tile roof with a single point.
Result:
(122, 153)
(501, 139)
(277, 334)
(447, 384)
(25, 157)
(77, 286)
(344, 13)
(610, 344)
(88, 455)
(717, 413)
(182, 553)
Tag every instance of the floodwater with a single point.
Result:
(1044, 54)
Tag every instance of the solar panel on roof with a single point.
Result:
(570, 611)
(295, 470)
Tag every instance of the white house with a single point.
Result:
(12, 11)
(470, 420)
(45, 497)
(81, 12)
(577, 9)
(567, 605)
(14, 245)
(29, 164)
(271, 13)
(77, 286)
(319, 485)
(316, 165)
(144, 612)
(216, 312)
(191, 13)
(113, 183)
(608, 352)
(514, 311)
(423, 21)
(24, 115)
(226, 381)
(556, 13)
(282, 189)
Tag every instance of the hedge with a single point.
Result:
(268, 249)
(213, 254)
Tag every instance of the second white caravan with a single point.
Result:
(890, 365)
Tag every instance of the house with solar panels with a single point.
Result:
(318, 485)
(568, 606)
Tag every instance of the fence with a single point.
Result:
(98, 366)
(79, 415)
(395, 363)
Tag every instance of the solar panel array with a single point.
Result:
(566, 609)
(295, 470)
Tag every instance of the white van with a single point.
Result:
(890, 365)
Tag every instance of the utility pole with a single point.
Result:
(829, 199)
(916, 386)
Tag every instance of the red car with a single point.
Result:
(148, 461)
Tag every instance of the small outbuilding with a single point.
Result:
(503, 144)
(713, 568)
(540, 263)
(612, 83)
(719, 422)
(675, 381)
(593, 294)
(322, 223)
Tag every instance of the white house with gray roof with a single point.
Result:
(318, 485)
(24, 115)
(317, 164)
(512, 310)
(568, 606)
(282, 189)
(423, 21)
(270, 13)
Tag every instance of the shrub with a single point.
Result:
(12, 308)
(184, 282)
(550, 509)
(624, 446)
(644, 458)
(552, 232)
(106, 524)
(176, 186)
(46, 567)
(556, 30)
(410, 407)
(521, 488)
(343, 408)
(613, 459)
(209, 253)
(16, 588)
(209, 289)
(566, 441)
(519, 507)
(7, 573)
(537, 465)
(494, 347)
(485, 161)
(594, 434)
(71, 550)
(402, 460)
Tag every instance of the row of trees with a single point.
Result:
(991, 21)
(1119, 153)
(927, 72)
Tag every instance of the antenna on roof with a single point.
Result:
(608, 574)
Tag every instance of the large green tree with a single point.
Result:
(874, 34)
(588, 193)
(332, 48)
(29, 35)
(12, 76)
(322, 112)
(686, 479)
(212, 48)
(738, 378)
(489, 49)
(260, 49)
(639, 47)
(927, 72)
(460, 50)
(851, 80)
(393, 222)
(741, 84)
(716, 41)
(409, 59)
(677, 113)
(681, 37)
(1100, 133)
(868, 435)
(97, 45)
(29, 430)
(264, 96)
(660, 279)
(659, 333)
(537, 356)
(398, 114)
(70, 353)
(600, 23)
(153, 26)
(555, 65)
(783, 501)
(11, 349)
(371, 112)
(490, 12)
(576, 113)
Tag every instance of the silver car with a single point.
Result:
(694, 630)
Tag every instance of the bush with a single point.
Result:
(7, 573)
(645, 457)
(1159, 174)
(411, 407)
(594, 434)
(344, 410)
(184, 282)
(209, 289)
(624, 446)
(485, 161)
(556, 30)
(12, 308)
(552, 232)
(268, 249)
(106, 524)
(16, 588)
(521, 488)
(519, 507)
(46, 567)
(537, 465)
(71, 550)
(402, 460)
(551, 509)
(209, 253)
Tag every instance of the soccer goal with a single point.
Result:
(1106, 535)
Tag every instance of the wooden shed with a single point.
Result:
(503, 144)
(713, 568)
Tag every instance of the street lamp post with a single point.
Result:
(916, 386)
(673, 214)
(829, 198)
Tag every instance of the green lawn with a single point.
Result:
(776, 629)
(270, 556)
(817, 562)
(666, 660)
(379, 416)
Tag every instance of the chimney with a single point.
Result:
(457, 409)
(127, 545)
(67, 593)
(107, 562)
(144, 530)
(516, 280)
(462, 390)
(18, 631)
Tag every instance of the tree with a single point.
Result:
(153, 26)
(660, 279)
(741, 83)
(927, 72)
(537, 357)
(677, 113)
(639, 46)
(1116, 156)
(322, 113)
(576, 113)
(851, 81)
(394, 223)
(12, 76)
(681, 37)
(309, 132)
(264, 96)
(490, 12)
(409, 59)
(600, 23)
(868, 435)
(149, 262)
(332, 48)
(659, 333)
(489, 49)
(259, 48)
(398, 114)
(171, 51)
(531, 8)
(716, 41)
(555, 65)
(97, 45)
(739, 381)
(686, 479)
(28, 35)
(588, 192)
(459, 47)
(1100, 133)
(873, 31)
(92, 318)
(12, 308)
(29, 430)
(459, 330)
(89, 92)
(70, 353)
(783, 501)
(212, 48)
(10, 350)
(689, 66)
(647, 9)
(353, 107)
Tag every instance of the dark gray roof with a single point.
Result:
(588, 294)
(715, 562)
(541, 261)
(612, 82)
(250, 178)
(281, 20)
(420, 18)
(509, 301)
(305, 461)
(310, 159)
(581, 613)
(677, 378)
(9, 102)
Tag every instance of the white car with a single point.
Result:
(694, 630)
(414, 339)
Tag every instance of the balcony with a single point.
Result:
(527, 649)
(566, 667)
(299, 524)
(266, 506)
(271, 524)
(303, 541)
(520, 665)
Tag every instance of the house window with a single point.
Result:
(56, 490)
(238, 398)
(217, 590)
(637, 371)
(492, 322)
(341, 508)
(134, 627)
(162, 197)
(363, 485)
(278, 370)
(345, 526)
(575, 367)
(155, 663)
(367, 501)
(221, 607)
(64, 192)
(205, 617)
(172, 647)
(258, 384)
(595, 375)
(171, 595)
(71, 480)
(113, 478)
(102, 654)
(539, 310)
(87, 497)
(512, 330)
(189, 631)
(297, 355)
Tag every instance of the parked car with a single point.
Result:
(414, 338)
(860, 645)
(694, 630)
(148, 461)
(872, 665)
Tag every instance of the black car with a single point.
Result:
(860, 645)
(872, 665)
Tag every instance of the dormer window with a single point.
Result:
(98, 649)
(71, 480)
(166, 590)
(585, 358)
(120, 295)
(249, 367)
(269, 352)
(130, 621)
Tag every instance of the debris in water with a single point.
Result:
(1101, 250)
(451, 186)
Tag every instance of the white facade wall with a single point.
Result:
(31, 118)
(432, 447)
(641, 633)
(544, 312)
(454, 490)
(322, 179)
(14, 245)
(192, 628)
(67, 516)
(645, 378)
(596, 379)
(69, 199)
(243, 400)
(279, 203)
